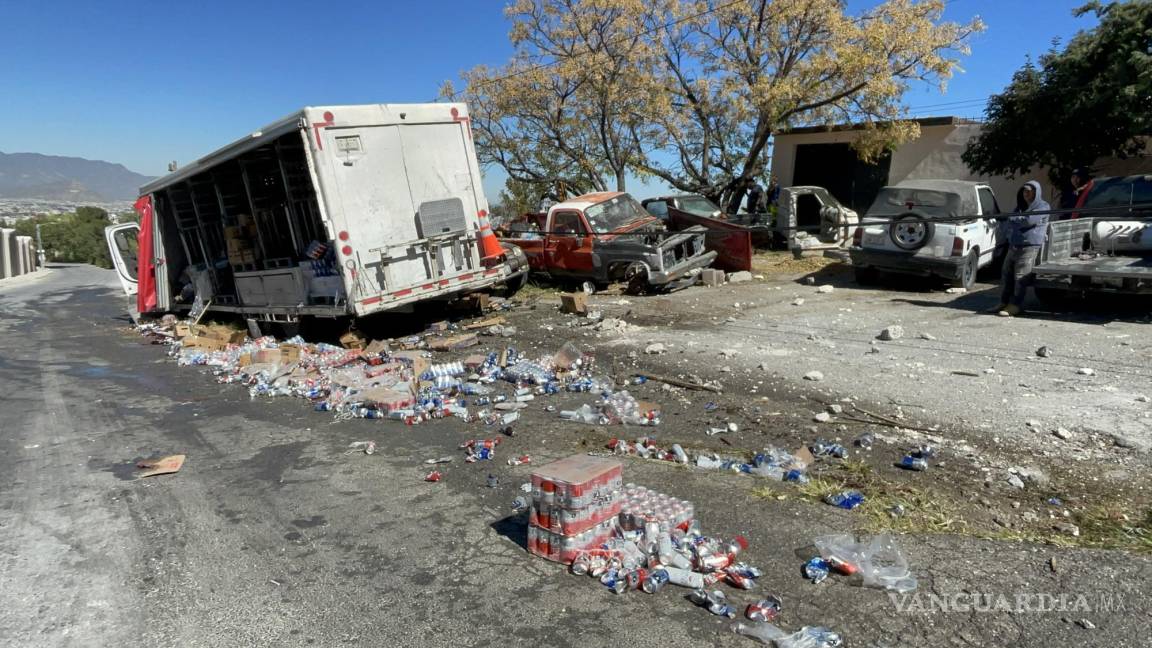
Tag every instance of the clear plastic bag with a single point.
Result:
(807, 637)
(878, 559)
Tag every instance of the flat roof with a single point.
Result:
(923, 121)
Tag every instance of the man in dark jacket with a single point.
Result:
(755, 203)
(1081, 184)
(1027, 231)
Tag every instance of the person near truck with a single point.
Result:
(1027, 231)
(1080, 185)
(755, 202)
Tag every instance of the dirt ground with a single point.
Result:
(1075, 426)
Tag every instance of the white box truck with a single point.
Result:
(332, 211)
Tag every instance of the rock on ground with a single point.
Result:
(893, 332)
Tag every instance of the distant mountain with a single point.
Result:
(52, 177)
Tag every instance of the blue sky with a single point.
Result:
(142, 83)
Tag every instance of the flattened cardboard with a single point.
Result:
(161, 466)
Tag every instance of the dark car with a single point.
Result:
(691, 203)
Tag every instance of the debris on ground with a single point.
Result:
(847, 499)
(877, 559)
(1044, 352)
(160, 466)
(655, 348)
(739, 277)
(815, 376)
(1086, 371)
(825, 289)
(894, 332)
(806, 637)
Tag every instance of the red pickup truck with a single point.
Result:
(606, 237)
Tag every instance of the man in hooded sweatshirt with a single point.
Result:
(1027, 231)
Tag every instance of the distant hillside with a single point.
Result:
(52, 177)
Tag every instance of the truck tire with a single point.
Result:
(910, 231)
(636, 277)
(967, 273)
(513, 286)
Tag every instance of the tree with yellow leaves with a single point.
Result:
(692, 91)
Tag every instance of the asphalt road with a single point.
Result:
(274, 535)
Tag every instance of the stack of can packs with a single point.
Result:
(575, 506)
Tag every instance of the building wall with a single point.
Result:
(935, 154)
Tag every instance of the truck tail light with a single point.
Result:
(858, 237)
(957, 246)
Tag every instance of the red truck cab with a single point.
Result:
(605, 237)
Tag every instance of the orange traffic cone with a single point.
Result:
(489, 247)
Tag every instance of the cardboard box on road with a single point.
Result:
(576, 303)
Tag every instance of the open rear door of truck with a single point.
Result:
(123, 247)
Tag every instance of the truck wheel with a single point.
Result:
(967, 273)
(636, 277)
(513, 286)
(867, 275)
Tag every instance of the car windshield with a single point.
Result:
(926, 202)
(614, 213)
(698, 205)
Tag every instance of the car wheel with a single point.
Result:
(910, 232)
(867, 276)
(967, 275)
(636, 277)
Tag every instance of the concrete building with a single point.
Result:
(823, 156)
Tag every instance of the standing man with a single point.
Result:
(1027, 232)
(1081, 185)
(755, 203)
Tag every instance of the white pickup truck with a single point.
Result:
(330, 212)
(942, 228)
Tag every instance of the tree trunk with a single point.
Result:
(620, 180)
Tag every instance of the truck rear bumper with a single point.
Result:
(906, 262)
(436, 288)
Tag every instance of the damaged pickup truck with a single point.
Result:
(606, 237)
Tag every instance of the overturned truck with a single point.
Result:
(330, 212)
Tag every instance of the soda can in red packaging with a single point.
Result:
(745, 570)
(736, 580)
(581, 564)
(433, 476)
(738, 544)
(519, 461)
(841, 566)
(657, 578)
(636, 578)
(766, 609)
(713, 562)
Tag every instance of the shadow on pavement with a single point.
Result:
(841, 276)
(1099, 309)
(515, 528)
